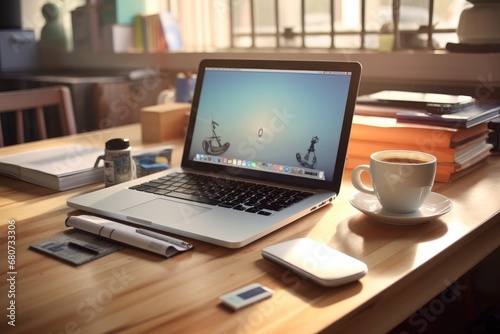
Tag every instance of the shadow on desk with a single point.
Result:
(370, 234)
(305, 289)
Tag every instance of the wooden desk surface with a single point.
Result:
(135, 291)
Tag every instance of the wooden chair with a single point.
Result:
(19, 102)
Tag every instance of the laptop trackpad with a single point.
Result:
(164, 211)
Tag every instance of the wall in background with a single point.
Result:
(472, 74)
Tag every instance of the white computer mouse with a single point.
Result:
(316, 261)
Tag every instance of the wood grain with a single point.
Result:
(132, 291)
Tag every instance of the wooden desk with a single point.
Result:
(135, 291)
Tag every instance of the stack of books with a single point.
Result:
(458, 150)
(157, 33)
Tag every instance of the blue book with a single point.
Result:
(171, 32)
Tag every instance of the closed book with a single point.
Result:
(158, 35)
(70, 166)
(445, 172)
(170, 31)
(381, 111)
(59, 168)
(151, 30)
(447, 176)
(430, 102)
(387, 129)
(459, 154)
(462, 119)
(86, 27)
(157, 32)
(138, 34)
(146, 38)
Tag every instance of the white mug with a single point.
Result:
(401, 179)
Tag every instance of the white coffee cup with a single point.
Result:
(401, 179)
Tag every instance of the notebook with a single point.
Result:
(278, 126)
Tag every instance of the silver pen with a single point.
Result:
(172, 240)
(153, 242)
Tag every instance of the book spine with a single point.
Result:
(366, 148)
(420, 137)
(138, 36)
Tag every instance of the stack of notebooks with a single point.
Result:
(459, 144)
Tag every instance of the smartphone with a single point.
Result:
(430, 102)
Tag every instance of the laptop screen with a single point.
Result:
(277, 120)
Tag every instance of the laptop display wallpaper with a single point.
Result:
(274, 120)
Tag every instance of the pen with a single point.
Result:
(163, 237)
(166, 246)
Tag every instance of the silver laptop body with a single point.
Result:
(284, 124)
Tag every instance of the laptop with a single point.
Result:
(276, 131)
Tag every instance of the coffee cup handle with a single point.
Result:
(99, 158)
(356, 179)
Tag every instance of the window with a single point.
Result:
(341, 24)
(324, 24)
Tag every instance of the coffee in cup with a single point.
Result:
(401, 179)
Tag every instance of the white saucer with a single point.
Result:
(435, 205)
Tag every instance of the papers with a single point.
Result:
(59, 168)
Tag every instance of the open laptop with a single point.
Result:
(264, 124)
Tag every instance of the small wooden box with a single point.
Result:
(164, 121)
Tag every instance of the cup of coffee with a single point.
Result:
(401, 179)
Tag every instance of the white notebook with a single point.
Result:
(58, 168)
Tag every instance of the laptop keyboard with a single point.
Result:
(232, 194)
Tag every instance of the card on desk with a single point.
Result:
(76, 247)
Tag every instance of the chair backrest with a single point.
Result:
(35, 100)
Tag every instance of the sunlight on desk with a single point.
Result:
(135, 291)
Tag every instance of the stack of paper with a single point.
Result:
(59, 168)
